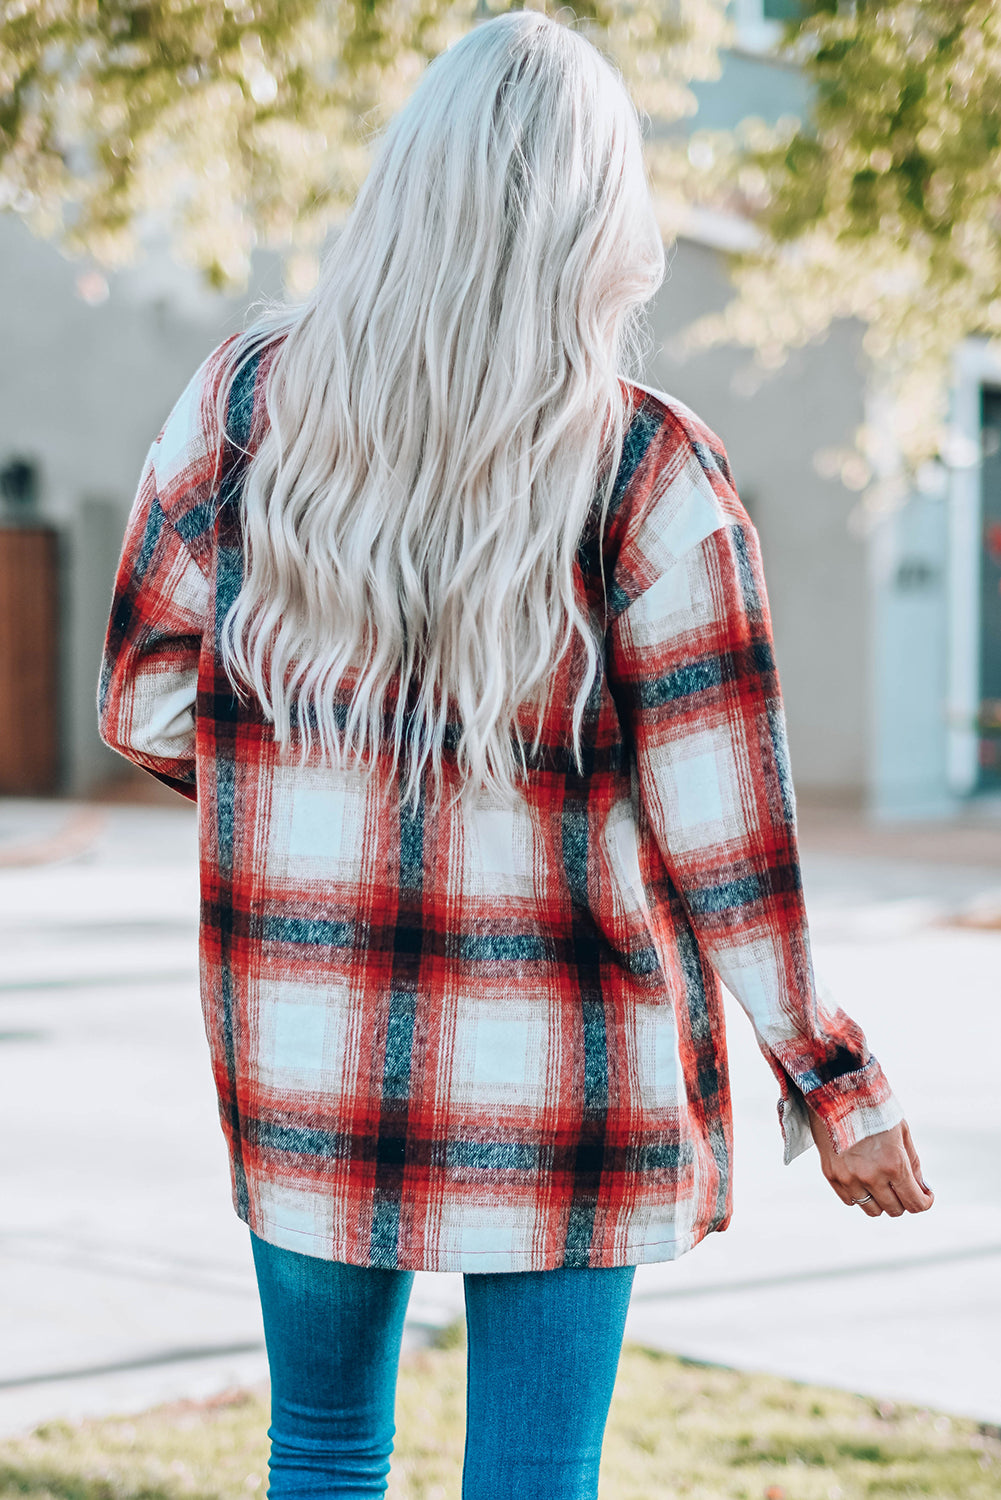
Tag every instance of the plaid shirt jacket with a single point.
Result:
(493, 1040)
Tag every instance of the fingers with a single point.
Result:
(903, 1177)
(853, 1191)
(843, 1190)
(868, 1203)
(880, 1174)
(919, 1176)
(919, 1200)
(894, 1192)
(885, 1194)
(848, 1184)
(912, 1154)
(908, 1189)
(894, 1196)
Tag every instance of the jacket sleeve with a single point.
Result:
(149, 671)
(692, 666)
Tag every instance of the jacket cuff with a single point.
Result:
(794, 1117)
(854, 1106)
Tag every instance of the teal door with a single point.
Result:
(989, 718)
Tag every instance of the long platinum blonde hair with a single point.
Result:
(444, 411)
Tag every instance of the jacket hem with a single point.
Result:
(471, 1261)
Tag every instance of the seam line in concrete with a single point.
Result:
(142, 1362)
(829, 1273)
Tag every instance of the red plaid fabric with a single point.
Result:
(491, 1040)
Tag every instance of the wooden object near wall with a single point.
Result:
(29, 654)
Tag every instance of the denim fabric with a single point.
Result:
(543, 1349)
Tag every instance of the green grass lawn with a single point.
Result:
(676, 1429)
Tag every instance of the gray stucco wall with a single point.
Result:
(815, 568)
(83, 391)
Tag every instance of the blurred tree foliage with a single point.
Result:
(231, 123)
(225, 124)
(886, 206)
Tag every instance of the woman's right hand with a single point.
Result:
(881, 1174)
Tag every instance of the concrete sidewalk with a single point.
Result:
(127, 1277)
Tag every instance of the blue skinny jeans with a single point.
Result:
(542, 1351)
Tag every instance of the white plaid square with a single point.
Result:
(181, 441)
(671, 596)
(752, 973)
(501, 1050)
(658, 1061)
(698, 787)
(657, 1231)
(679, 603)
(621, 839)
(480, 1241)
(317, 824)
(485, 1236)
(688, 512)
(295, 1219)
(698, 778)
(303, 1036)
(499, 846)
